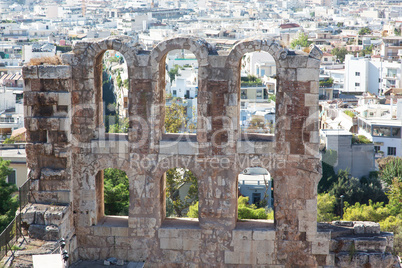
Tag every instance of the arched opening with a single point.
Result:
(257, 95)
(111, 92)
(255, 196)
(112, 195)
(181, 92)
(180, 195)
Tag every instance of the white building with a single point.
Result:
(38, 51)
(374, 76)
(256, 183)
(259, 64)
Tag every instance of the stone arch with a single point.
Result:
(160, 179)
(249, 45)
(199, 47)
(89, 56)
(233, 63)
(91, 175)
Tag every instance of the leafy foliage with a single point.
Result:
(175, 118)
(193, 211)
(340, 53)
(350, 113)
(9, 141)
(120, 127)
(245, 211)
(325, 208)
(327, 83)
(357, 190)
(366, 51)
(364, 31)
(250, 80)
(116, 192)
(390, 168)
(8, 201)
(173, 72)
(301, 40)
(362, 212)
(329, 177)
(360, 139)
(175, 179)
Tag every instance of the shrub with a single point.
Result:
(193, 211)
(326, 207)
(54, 60)
(373, 212)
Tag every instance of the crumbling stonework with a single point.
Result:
(68, 151)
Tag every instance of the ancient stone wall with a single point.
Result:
(68, 150)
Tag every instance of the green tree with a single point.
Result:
(173, 72)
(364, 31)
(245, 211)
(356, 190)
(326, 207)
(327, 83)
(340, 53)
(116, 192)
(120, 127)
(366, 51)
(301, 40)
(175, 118)
(175, 179)
(193, 211)
(329, 158)
(8, 200)
(390, 168)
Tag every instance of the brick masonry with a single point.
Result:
(68, 149)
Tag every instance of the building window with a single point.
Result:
(357, 73)
(391, 150)
(377, 148)
(256, 198)
(357, 84)
(12, 178)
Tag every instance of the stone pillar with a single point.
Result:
(47, 120)
(297, 140)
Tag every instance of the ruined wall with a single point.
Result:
(68, 148)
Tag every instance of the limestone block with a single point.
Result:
(358, 228)
(310, 100)
(263, 246)
(44, 232)
(30, 72)
(188, 148)
(232, 257)
(171, 243)
(314, 87)
(64, 99)
(245, 147)
(247, 257)
(264, 258)
(315, 52)
(102, 230)
(261, 234)
(191, 244)
(168, 147)
(169, 233)
(321, 246)
(371, 244)
(119, 231)
(307, 74)
(54, 72)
